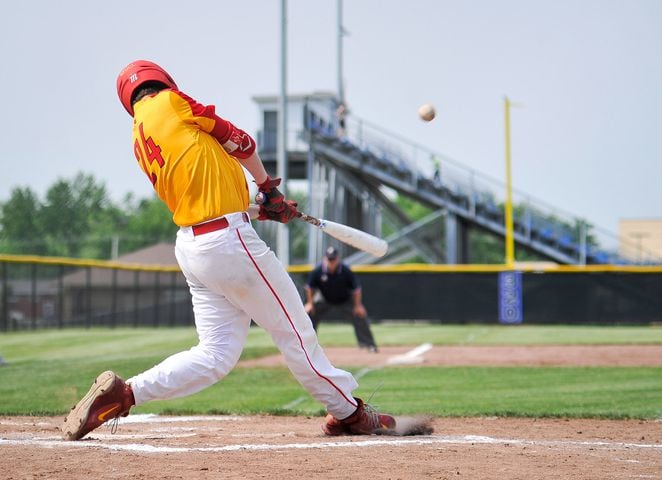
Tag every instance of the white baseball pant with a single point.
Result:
(234, 277)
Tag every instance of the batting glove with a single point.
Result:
(273, 205)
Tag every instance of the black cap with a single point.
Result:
(331, 253)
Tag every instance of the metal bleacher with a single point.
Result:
(374, 157)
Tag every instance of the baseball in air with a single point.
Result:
(426, 112)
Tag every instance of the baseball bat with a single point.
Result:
(346, 234)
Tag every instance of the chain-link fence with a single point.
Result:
(42, 292)
(45, 293)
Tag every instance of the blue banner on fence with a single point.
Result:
(510, 297)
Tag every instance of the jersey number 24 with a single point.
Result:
(146, 148)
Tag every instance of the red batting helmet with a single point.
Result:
(135, 74)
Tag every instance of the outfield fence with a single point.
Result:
(47, 292)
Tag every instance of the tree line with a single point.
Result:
(77, 218)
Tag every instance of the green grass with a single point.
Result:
(410, 334)
(49, 370)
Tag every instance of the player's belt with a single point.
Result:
(214, 225)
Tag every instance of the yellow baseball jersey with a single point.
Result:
(179, 145)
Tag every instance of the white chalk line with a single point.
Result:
(294, 403)
(412, 356)
(154, 418)
(420, 441)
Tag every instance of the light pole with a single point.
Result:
(283, 244)
(339, 50)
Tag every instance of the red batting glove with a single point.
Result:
(273, 205)
(288, 212)
(272, 198)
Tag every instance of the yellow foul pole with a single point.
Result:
(510, 240)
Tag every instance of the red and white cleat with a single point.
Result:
(108, 398)
(364, 421)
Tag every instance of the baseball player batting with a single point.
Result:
(193, 158)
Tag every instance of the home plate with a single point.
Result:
(411, 357)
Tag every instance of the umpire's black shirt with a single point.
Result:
(336, 287)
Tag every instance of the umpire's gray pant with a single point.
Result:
(323, 309)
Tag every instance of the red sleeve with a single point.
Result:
(235, 141)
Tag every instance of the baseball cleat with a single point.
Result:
(333, 427)
(109, 397)
(364, 421)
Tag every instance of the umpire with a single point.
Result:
(333, 286)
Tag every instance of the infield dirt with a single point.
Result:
(294, 447)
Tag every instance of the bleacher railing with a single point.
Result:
(575, 236)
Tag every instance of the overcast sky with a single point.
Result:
(588, 138)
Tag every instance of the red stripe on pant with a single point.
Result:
(351, 401)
